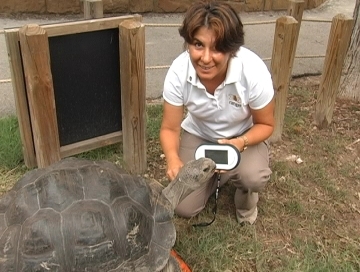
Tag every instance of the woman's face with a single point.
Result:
(209, 63)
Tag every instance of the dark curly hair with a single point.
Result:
(219, 17)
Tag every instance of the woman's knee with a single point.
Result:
(254, 180)
(186, 211)
(254, 172)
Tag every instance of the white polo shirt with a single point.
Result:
(225, 114)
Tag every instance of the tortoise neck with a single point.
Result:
(176, 191)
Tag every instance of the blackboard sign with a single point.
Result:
(74, 94)
(86, 77)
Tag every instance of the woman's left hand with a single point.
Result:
(237, 142)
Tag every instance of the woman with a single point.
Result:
(228, 94)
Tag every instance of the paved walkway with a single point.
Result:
(163, 44)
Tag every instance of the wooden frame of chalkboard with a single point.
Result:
(67, 92)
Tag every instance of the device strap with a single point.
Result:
(205, 224)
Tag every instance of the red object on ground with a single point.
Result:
(184, 267)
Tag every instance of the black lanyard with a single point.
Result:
(205, 224)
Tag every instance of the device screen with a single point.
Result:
(218, 156)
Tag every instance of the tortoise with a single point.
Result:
(83, 215)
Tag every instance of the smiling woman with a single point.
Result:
(210, 65)
(228, 94)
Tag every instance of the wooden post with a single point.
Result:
(21, 103)
(349, 87)
(281, 68)
(36, 61)
(133, 94)
(93, 9)
(296, 10)
(339, 38)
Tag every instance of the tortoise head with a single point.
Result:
(190, 177)
(196, 172)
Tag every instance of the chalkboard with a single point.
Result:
(86, 78)
(74, 94)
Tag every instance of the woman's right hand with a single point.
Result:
(173, 168)
(170, 138)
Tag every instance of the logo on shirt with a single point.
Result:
(234, 100)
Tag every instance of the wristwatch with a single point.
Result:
(246, 141)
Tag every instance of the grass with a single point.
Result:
(10, 143)
(309, 214)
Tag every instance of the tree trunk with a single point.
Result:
(350, 80)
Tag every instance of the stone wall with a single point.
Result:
(138, 6)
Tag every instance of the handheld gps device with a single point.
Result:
(226, 156)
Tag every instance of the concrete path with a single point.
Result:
(163, 44)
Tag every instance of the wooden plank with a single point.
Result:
(93, 9)
(40, 92)
(21, 103)
(133, 90)
(281, 68)
(339, 39)
(87, 145)
(68, 28)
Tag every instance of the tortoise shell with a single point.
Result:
(80, 215)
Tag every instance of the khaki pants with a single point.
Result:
(249, 177)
